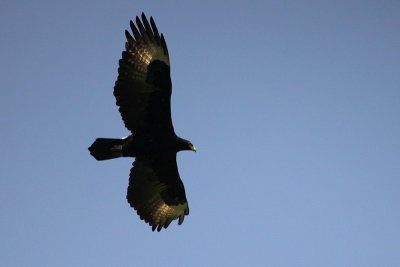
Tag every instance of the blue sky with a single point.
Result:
(293, 106)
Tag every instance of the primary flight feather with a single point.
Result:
(143, 94)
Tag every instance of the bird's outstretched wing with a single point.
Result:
(156, 191)
(143, 88)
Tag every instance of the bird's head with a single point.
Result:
(191, 147)
(185, 145)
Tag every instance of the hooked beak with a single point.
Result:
(193, 148)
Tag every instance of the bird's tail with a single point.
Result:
(107, 148)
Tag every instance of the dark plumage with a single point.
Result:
(143, 94)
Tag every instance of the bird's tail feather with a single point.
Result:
(106, 148)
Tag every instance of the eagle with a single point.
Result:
(143, 95)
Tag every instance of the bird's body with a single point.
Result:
(143, 93)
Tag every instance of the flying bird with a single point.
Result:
(143, 94)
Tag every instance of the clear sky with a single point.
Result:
(294, 107)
